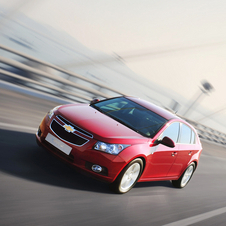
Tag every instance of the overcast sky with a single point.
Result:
(186, 39)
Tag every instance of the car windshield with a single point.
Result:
(132, 115)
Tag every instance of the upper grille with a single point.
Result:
(76, 127)
(67, 136)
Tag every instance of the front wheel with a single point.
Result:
(128, 177)
(185, 177)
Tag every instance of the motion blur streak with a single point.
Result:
(141, 54)
(12, 12)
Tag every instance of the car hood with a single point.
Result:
(97, 123)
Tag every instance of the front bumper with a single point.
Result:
(83, 158)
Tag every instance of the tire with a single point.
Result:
(185, 177)
(128, 177)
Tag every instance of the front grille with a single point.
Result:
(76, 127)
(67, 136)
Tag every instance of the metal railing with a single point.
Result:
(36, 74)
(208, 133)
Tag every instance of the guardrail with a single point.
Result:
(208, 133)
(36, 74)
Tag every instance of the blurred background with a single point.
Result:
(172, 53)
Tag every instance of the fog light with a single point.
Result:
(96, 168)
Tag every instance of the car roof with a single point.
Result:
(158, 110)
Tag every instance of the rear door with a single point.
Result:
(187, 148)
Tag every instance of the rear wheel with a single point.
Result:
(185, 177)
(128, 177)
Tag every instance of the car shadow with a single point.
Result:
(20, 156)
(154, 184)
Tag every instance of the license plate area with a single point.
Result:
(58, 144)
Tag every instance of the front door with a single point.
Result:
(160, 161)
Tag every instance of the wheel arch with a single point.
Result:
(144, 163)
(117, 185)
(189, 163)
(196, 164)
(140, 157)
(143, 160)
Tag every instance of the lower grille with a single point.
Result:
(67, 136)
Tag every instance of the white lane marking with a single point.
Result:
(17, 127)
(197, 218)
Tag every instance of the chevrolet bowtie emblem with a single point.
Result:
(69, 128)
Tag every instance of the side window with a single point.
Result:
(185, 135)
(172, 131)
(193, 137)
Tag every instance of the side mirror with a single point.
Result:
(166, 141)
(94, 101)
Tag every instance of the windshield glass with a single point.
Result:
(131, 114)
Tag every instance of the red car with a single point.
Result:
(122, 140)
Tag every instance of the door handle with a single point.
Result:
(190, 153)
(174, 153)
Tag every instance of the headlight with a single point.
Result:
(51, 112)
(113, 149)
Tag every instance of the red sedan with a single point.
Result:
(122, 140)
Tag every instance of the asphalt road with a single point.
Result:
(38, 189)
